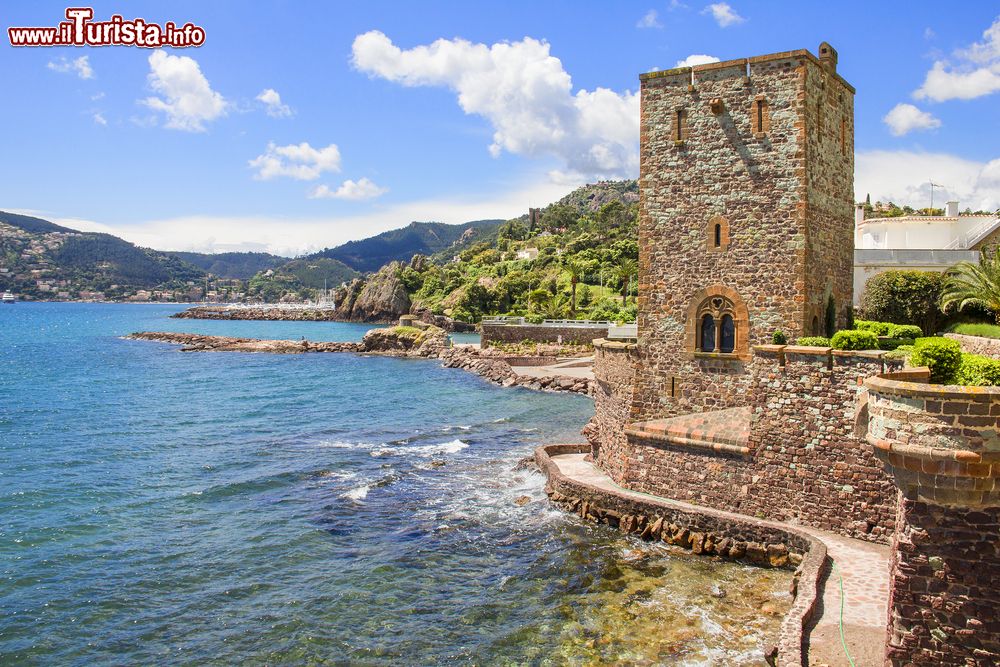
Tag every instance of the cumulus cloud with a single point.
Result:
(186, 97)
(350, 190)
(723, 14)
(525, 94)
(99, 118)
(904, 177)
(299, 161)
(696, 59)
(905, 118)
(650, 19)
(79, 66)
(271, 100)
(972, 72)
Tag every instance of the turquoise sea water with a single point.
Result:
(159, 507)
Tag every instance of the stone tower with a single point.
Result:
(746, 220)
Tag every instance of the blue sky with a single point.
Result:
(372, 122)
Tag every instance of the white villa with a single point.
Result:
(918, 243)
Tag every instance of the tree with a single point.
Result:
(586, 296)
(904, 297)
(575, 273)
(624, 272)
(969, 284)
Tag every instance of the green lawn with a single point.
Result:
(976, 329)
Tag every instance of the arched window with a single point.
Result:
(718, 235)
(707, 334)
(727, 334)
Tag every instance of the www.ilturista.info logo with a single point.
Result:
(80, 30)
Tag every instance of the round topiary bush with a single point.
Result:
(942, 356)
(854, 340)
(904, 331)
(877, 328)
(779, 338)
(978, 371)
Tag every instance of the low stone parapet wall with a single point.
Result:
(703, 531)
(988, 347)
(539, 333)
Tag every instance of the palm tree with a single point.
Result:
(624, 272)
(967, 283)
(575, 273)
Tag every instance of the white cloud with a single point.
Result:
(525, 94)
(271, 100)
(299, 161)
(287, 236)
(80, 66)
(186, 96)
(973, 72)
(905, 118)
(350, 190)
(99, 118)
(904, 177)
(696, 59)
(650, 20)
(97, 96)
(723, 14)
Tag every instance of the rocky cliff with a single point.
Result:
(380, 298)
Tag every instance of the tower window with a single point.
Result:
(707, 333)
(680, 125)
(727, 334)
(718, 235)
(759, 118)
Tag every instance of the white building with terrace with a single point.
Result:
(918, 243)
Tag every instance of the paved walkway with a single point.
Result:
(562, 368)
(863, 566)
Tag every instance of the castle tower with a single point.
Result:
(746, 220)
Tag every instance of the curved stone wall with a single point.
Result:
(942, 446)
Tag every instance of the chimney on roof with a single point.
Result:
(951, 209)
(828, 56)
(859, 214)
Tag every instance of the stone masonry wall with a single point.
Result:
(812, 463)
(614, 372)
(988, 347)
(806, 461)
(509, 333)
(942, 447)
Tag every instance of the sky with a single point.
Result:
(301, 125)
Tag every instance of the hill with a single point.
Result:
(238, 265)
(417, 238)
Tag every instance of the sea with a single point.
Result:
(160, 507)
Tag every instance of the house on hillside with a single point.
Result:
(918, 242)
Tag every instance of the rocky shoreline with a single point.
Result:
(307, 314)
(405, 342)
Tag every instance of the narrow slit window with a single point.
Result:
(718, 235)
(679, 125)
(758, 118)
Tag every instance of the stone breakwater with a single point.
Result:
(489, 365)
(274, 314)
(496, 369)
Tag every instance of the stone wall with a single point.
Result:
(515, 333)
(942, 446)
(805, 460)
(614, 373)
(988, 347)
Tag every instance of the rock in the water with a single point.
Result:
(521, 501)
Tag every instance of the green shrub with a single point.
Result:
(877, 328)
(976, 329)
(893, 343)
(854, 340)
(534, 318)
(942, 355)
(779, 338)
(814, 341)
(901, 352)
(978, 371)
(909, 297)
(904, 331)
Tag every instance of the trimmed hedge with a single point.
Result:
(779, 338)
(877, 328)
(854, 340)
(814, 341)
(904, 296)
(901, 352)
(943, 356)
(978, 371)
